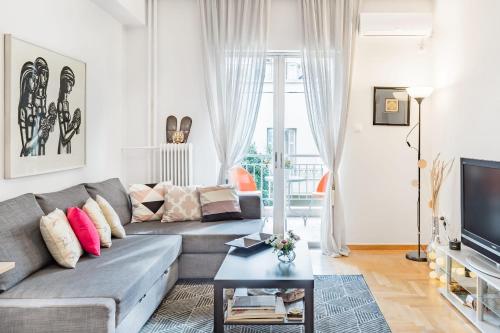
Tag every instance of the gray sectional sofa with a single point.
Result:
(118, 291)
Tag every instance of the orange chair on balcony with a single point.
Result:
(318, 194)
(243, 180)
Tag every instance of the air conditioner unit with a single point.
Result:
(395, 24)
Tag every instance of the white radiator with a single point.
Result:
(176, 163)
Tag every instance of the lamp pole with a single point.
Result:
(418, 255)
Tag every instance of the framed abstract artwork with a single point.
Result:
(391, 106)
(45, 110)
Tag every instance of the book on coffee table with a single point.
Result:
(254, 302)
(276, 314)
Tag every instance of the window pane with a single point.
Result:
(268, 78)
(294, 76)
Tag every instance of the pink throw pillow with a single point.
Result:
(84, 230)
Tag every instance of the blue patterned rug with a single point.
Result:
(342, 303)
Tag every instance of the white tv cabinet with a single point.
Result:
(462, 280)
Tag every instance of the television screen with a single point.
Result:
(481, 206)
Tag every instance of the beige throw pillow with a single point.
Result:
(111, 216)
(103, 229)
(60, 239)
(182, 203)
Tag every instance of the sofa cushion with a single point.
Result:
(113, 191)
(148, 201)
(74, 196)
(97, 217)
(60, 239)
(124, 272)
(84, 230)
(182, 203)
(219, 203)
(21, 240)
(111, 216)
(251, 205)
(199, 237)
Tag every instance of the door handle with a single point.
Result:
(275, 160)
(281, 158)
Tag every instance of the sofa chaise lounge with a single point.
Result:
(118, 291)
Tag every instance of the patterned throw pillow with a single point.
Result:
(219, 203)
(60, 239)
(147, 201)
(182, 203)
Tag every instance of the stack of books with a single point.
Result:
(256, 309)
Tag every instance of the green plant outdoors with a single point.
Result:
(259, 165)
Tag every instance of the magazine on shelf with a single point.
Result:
(254, 302)
(265, 315)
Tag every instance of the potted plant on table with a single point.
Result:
(284, 246)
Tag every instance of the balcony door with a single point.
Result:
(283, 158)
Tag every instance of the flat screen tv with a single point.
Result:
(480, 189)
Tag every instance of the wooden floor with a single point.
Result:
(409, 301)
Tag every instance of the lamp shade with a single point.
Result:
(419, 92)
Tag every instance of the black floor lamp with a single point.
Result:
(418, 93)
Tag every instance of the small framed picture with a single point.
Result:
(391, 106)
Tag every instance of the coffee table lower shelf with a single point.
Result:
(220, 313)
(288, 306)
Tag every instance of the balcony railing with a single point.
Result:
(302, 175)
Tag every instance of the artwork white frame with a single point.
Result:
(45, 110)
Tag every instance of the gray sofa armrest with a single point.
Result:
(251, 205)
(79, 315)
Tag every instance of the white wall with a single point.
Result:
(377, 166)
(136, 8)
(181, 85)
(135, 106)
(127, 12)
(466, 102)
(81, 30)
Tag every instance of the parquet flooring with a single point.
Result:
(409, 301)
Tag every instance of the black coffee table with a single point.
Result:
(260, 268)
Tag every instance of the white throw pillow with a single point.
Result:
(111, 216)
(60, 239)
(103, 229)
(182, 203)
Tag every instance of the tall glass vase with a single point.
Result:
(434, 242)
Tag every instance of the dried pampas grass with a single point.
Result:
(440, 170)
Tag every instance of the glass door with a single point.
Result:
(283, 158)
(303, 168)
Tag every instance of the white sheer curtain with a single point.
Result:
(329, 28)
(234, 38)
